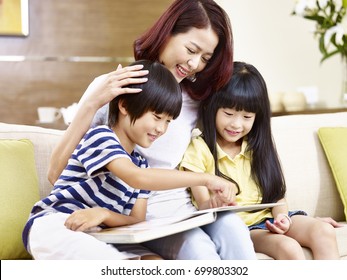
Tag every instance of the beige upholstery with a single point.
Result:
(308, 176)
(43, 139)
(310, 185)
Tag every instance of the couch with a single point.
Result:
(311, 182)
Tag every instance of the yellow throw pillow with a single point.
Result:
(19, 191)
(334, 142)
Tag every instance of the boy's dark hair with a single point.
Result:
(160, 94)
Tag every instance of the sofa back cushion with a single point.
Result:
(44, 141)
(310, 183)
(334, 143)
(19, 191)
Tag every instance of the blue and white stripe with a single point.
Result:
(86, 183)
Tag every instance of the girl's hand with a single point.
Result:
(224, 190)
(280, 225)
(215, 202)
(85, 219)
(115, 84)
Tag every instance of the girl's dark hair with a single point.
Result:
(247, 91)
(180, 17)
(160, 94)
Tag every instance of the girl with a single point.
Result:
(237, 143)
(193, 39)
(101, 184)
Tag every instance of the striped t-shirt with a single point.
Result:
(87, 183)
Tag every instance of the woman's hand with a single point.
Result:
(115, 84)
(92, 100)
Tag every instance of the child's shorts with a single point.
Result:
(262, 224)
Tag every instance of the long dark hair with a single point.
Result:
(160, 94)
(247, 91)
(180, 17)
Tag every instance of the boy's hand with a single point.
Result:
(85, 219)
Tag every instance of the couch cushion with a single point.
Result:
(19, 191)
(44, 140)
(334, 142)
(341, 236)
(310, 183)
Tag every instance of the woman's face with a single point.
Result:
(188, 53)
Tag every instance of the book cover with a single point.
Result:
(157, 228)
(153, 229)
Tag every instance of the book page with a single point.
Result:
(237, 208)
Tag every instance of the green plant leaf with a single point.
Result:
(327, 17)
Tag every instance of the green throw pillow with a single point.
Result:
(334, 142)
(19, 191)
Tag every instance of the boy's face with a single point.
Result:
(149, 127)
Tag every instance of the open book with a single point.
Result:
(156, 228)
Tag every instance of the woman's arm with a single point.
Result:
(70, 139)
(163, 179)
(113, 85)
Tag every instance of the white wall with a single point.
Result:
(282, 47)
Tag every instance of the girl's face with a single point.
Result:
(188, 53)
(233, 125)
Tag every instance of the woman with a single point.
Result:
(193, 39)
